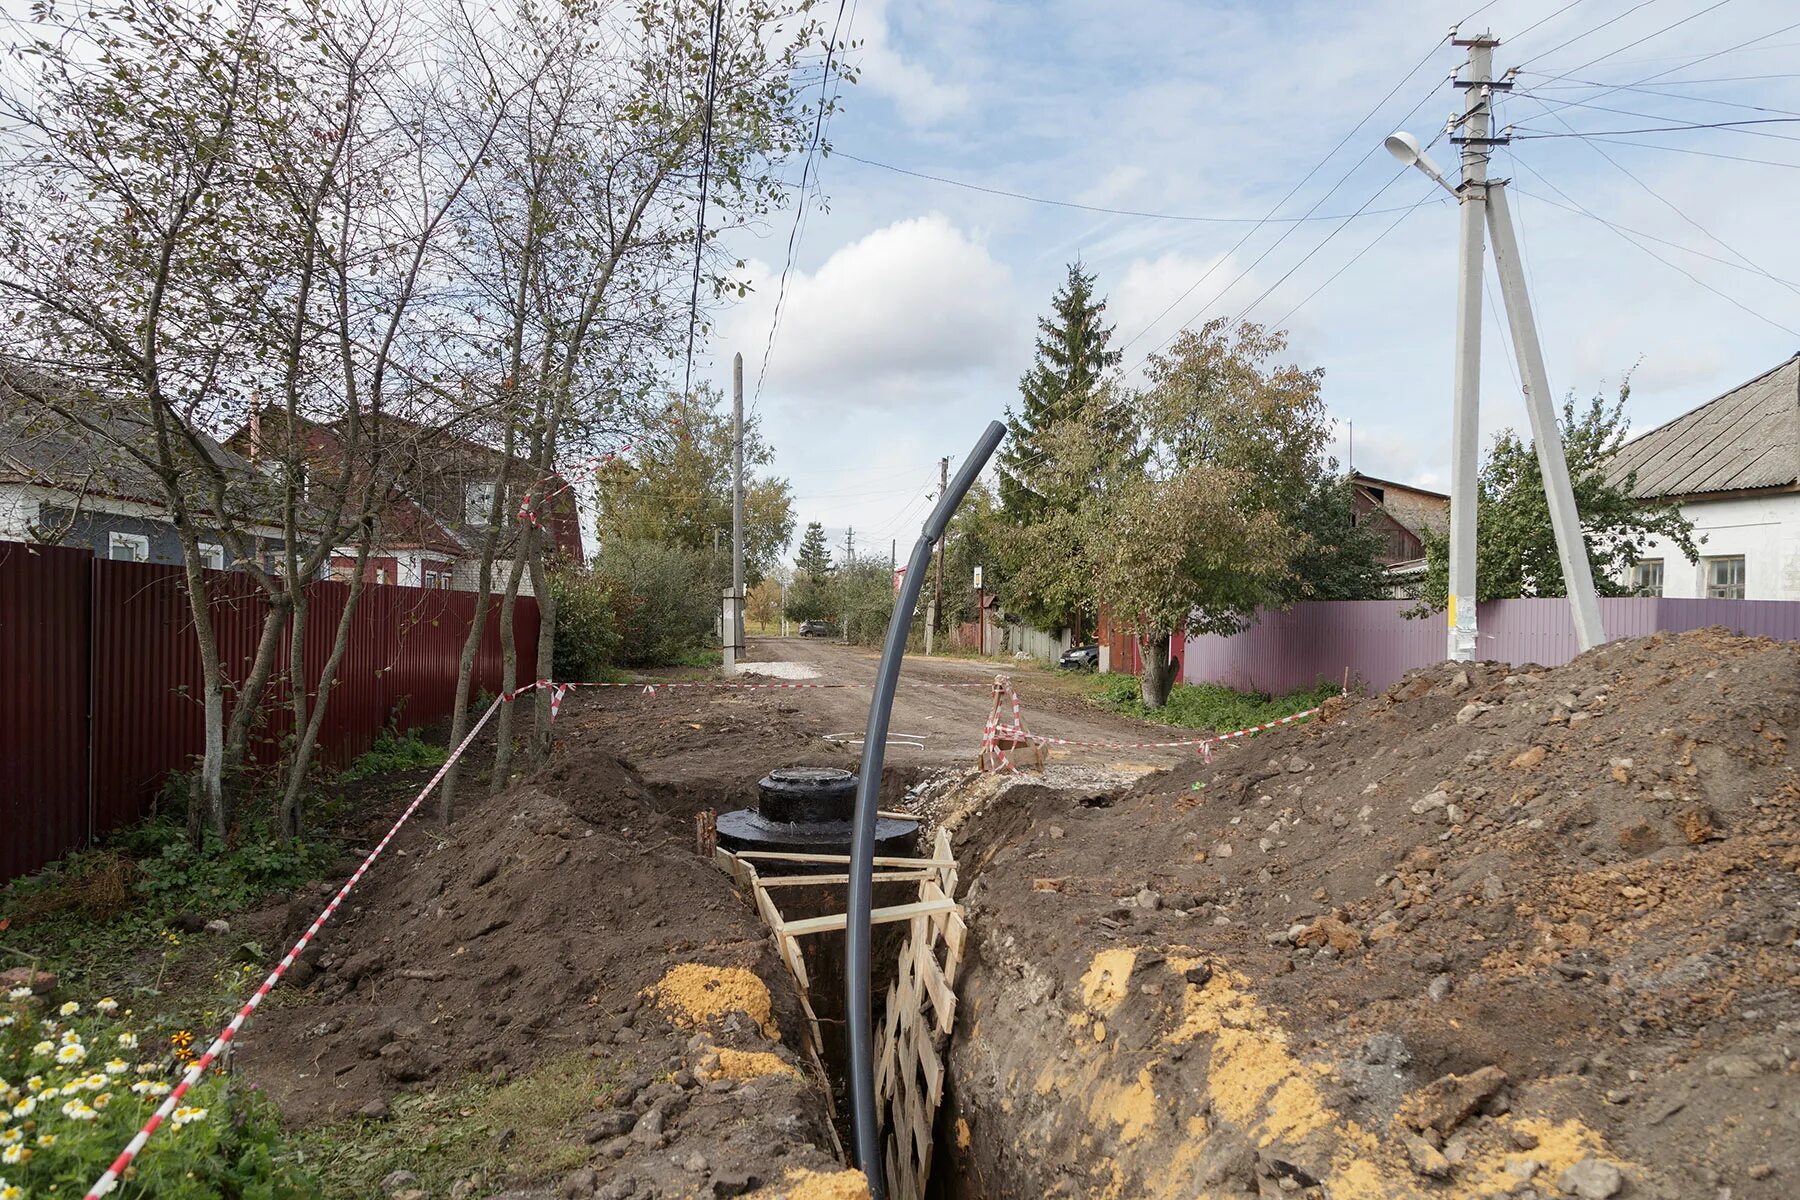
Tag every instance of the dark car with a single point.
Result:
(815, 629)
(1080, 658)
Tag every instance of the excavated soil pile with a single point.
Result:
(1495, 932)
(566, 916)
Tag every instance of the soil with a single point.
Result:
(1496, 931)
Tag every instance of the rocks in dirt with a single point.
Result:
(359, 966)
(1733, 1066)
(1473, 710)
(41, 983)
(1423, 1157)
(1330, 932)
(398, 1181)
(374, 1110)
(1148, 899)
(579, 1185)
(735, 1183)
(1591, 1179)
(1532, 756)
(1429, 802)
(609, 1124)
(1449, 1100)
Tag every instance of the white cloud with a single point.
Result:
(1147, 286)
(921, 97)
(901, 312)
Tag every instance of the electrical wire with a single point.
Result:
(1672, 207)
(1543, 20)
(1647, 37)
(712, 80)
(1529, 134)
(1714, 258)
(1653, 254)
(1631, 112)
(1099, 208)
(793, 245)
(1584, 33)
(1628, 87)
(1767, 162)
(1282, 321)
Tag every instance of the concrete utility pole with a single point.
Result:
(734, 596)
(849, 561)
(937, 586)
(1465, 437)
(1571, 546)
(1484, 204)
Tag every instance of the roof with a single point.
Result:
(1359, 477)
(1747, 438)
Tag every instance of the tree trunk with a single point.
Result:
(206, 798)
(308, 742)
(509, 676)
(539, 746)
(1157, 677)
(250, 692)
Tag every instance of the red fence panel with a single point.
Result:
(43, 704)
(1323, 640)
(101, 693)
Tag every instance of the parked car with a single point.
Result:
(1080, 658)
(815, 629)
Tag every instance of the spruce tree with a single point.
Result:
(1071, 362)
(813, 558)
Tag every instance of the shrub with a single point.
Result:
(1206, 705)
(78, 1081)
(395, 751)
(587, 628)
(662, 600)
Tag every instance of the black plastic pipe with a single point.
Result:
(858, 930)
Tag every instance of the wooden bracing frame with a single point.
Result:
(921, 1002)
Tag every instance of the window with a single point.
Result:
(436, 575)
(1647, 577)
(128, 547)
(212, 555)
(478, 502)
(1725, 578)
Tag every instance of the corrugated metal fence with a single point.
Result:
(1369, 639)
(100, 682)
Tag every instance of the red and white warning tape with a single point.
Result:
(1024, 735)
(110, 1178)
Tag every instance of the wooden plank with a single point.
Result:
(933, 1068)
(880, 877)
(881, 916)
(943, 999)
(880, 860)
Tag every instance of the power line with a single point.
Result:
(1629, 112)
(1543, 20)
(1653, 254)
(800, 205)
(1099, 208)
(1767, 162)
(1367, 117)
(1584, 33)
(1628, 87)
(1530, 134)
(712, 79)
(1367, 246)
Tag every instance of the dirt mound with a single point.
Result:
(1497, 931)
(565, 917)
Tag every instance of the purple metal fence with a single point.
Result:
(100, 682)
(1371, 642)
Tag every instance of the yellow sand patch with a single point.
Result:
(745, 1064)
(1132, 1107)
(1108, 980)
(1560, 1145)
(963, 1136)
(692, 994)
(816, 1185)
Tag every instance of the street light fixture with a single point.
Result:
(1405, 147)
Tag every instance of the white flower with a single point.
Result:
(44, 1049)
(107, 1005)
(188, 1113)
(70, 1037)
(78, 1110)
(13, 1155)
(69, 1009)
(117, 1066)
(19, 993)
(9, 1136)
(74, 1052)
(150, 1087)
(6, 1020)
(128, 1040)
(25, 1107)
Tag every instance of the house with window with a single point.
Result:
(1733, 467)
(75, 483)
(438, 498)
(1401, 514)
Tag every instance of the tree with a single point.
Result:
(1071, 361)
(762, 606)
(1189, 493)
(1341, 559)
(1515, 553)
(679, 489)
(814, 557)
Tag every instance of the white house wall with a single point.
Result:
(1764, 529)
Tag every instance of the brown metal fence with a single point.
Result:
(1371, 642)
(100, 682)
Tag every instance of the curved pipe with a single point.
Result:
(858, 933)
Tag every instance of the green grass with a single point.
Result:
(1204, 705)
(446, 1134)
(395, 751)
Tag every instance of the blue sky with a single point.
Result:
(911, 309)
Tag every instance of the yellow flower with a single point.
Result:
(46, 1140)
(34, 1083)
(103, 1099)
(11, 1191)
(69, 1009)
(187, 1113)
